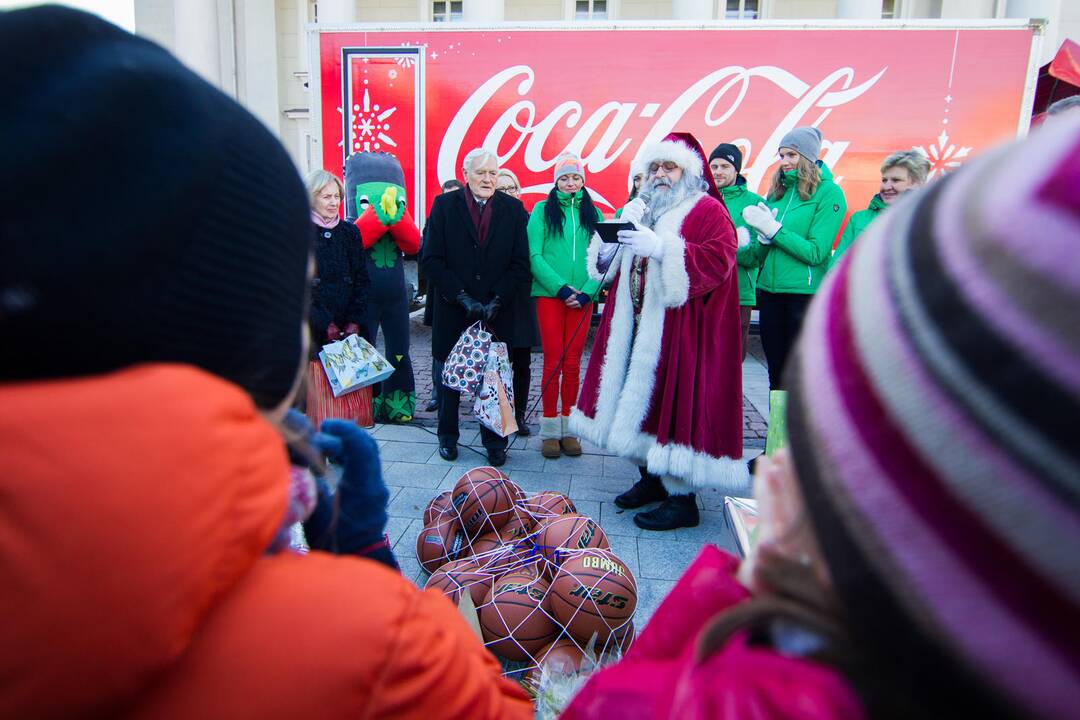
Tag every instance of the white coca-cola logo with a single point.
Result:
(520, 128)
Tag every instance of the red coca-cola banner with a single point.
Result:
(531, 93)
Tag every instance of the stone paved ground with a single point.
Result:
(754, 426)
(415, 473)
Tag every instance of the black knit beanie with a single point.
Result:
(146, 216)
(729, 152)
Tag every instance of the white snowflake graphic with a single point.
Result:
(370, 126)
(944, 156)
(405, 61)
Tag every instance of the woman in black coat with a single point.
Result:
(339, 293)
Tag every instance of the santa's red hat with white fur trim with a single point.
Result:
(684, 150)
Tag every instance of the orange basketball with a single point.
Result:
(593, 592)
(486, 543)
(548, 504)
(514, 619)
(439, 543)
(456, 576)
(562, 656)
(515, 491)
(556, 536)
(439, 506)
(484, 501)
(519, 526)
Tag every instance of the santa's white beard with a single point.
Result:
(660, 200)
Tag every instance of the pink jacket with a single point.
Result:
(660, 677)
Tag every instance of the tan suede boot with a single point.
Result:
(550, 431)
(569, 443)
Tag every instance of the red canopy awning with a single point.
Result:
(1059, 78)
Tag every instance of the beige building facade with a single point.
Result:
(256, 50)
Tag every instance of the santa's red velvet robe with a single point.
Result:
(670, 395)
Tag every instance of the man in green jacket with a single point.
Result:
(901, 171)
(725, 164)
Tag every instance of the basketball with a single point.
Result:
(562, 656)
(486, 543)
(456, 576)
(439, 506)
(593, 592)
(519, 526)
(439, 543)
(548, 504)
(484, 501)
(516, 492)
(556, 536)
(514, 620)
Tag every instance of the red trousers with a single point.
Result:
(562, 334)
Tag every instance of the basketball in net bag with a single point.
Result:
(593, 592)
(558, 535)
(514, 618)
(484, 500)
(439, 543)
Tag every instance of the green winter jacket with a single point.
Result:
(736, 197)
(855, 226)
(558, 261)
(798, 257)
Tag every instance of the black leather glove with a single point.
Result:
(474, 310)
(491, 310)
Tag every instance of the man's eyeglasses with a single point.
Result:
(667, 165)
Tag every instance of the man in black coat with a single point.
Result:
(429, 306)
(477, 257)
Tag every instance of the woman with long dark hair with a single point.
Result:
(559, 231)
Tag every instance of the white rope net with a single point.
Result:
(548, 596)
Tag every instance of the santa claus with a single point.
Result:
(664, 383)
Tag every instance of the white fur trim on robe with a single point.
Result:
(626, 389)
(592, 261)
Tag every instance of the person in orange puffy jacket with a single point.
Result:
(916, 540)
(151, 343)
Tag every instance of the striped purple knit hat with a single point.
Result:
(935, 427)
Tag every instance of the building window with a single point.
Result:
(889, 9)
(742, 10)
(590, 10)
(446, 10)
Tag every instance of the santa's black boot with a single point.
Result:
(677, 511)
(649, 489)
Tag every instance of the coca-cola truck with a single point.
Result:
(429, 93)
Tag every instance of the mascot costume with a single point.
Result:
(375, 202)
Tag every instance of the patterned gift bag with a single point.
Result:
(494, 404)
(353, 363)
(464, 368)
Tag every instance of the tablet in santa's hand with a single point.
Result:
(609, 229)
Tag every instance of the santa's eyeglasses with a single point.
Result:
(667, 165)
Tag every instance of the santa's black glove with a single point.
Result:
(491, 310)
(474, 310)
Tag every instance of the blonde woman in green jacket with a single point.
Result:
(559, 231)
(796, 228)
(902, 171)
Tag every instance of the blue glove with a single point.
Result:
(583, 299)
(564, 292)
(354, 520)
